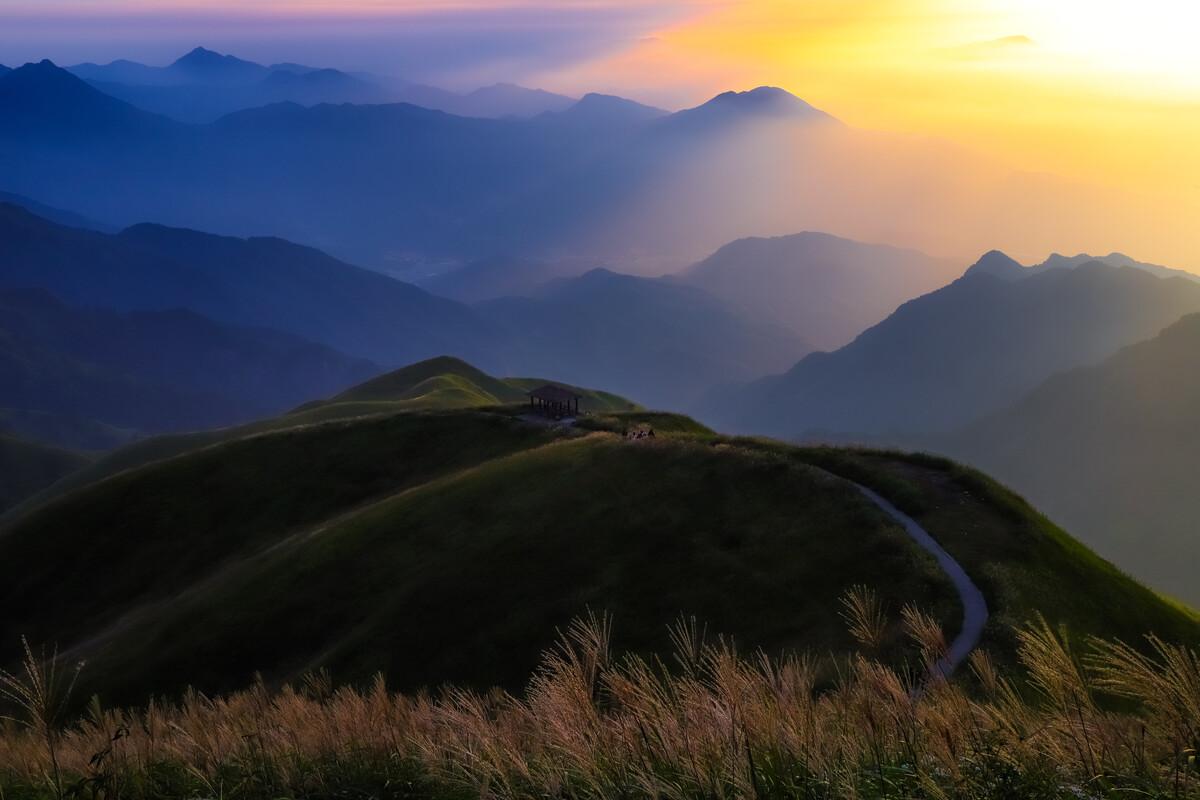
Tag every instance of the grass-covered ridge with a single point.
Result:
(1023, 562)
(464, 573)
(448, 545)
(437, 383)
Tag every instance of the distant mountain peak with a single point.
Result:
(595, 106)
(763, 102)
(763, 99)
(204, 63)
(46, 82)
(202, 56)
(998, 265)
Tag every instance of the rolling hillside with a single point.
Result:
(447, 545)
(1110, 451)
(28, 467)
(945, 359)
(435, 384)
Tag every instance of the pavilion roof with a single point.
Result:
(552, 393)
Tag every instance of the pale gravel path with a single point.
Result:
(975, 611)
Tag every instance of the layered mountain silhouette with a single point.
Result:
(1110, 450)
(204, 85)
(249, 282)
(660, 341)
(389, 185)
(824, 288)
(45, 106)
(58, 216)
(1000, 265)
(971, 348)
(149, 372)
(656, 341)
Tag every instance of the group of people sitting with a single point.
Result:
(647, 433)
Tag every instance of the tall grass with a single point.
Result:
(712, 724)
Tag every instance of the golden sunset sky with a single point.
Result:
(1099, 91)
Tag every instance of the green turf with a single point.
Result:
(75, 565)
(466, 578)
(448, 545)
(1023, 563)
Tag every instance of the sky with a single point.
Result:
(1102, 92)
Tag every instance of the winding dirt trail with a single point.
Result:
(975, 611)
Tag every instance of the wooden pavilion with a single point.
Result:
(554, 401)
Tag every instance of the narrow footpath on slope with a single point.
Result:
(975, 611)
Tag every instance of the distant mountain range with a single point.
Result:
(657, 341)
(265, 283)
(150, 372)
(1110, 450)
(502, 276)
(999, 265)
(662, 342)
(824, 288)
(969, 349)
(391, 185)
(56, 215)
(203, 86)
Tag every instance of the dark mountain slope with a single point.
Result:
(657, 341)
(250, 282)
(824, 288)
(155, 371)
(29, 467)
(949, 357)
(56, 215)
(45, 106)
(1110, 451)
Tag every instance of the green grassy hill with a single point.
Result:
(28, 467)
(436, 383)
(447, 545)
